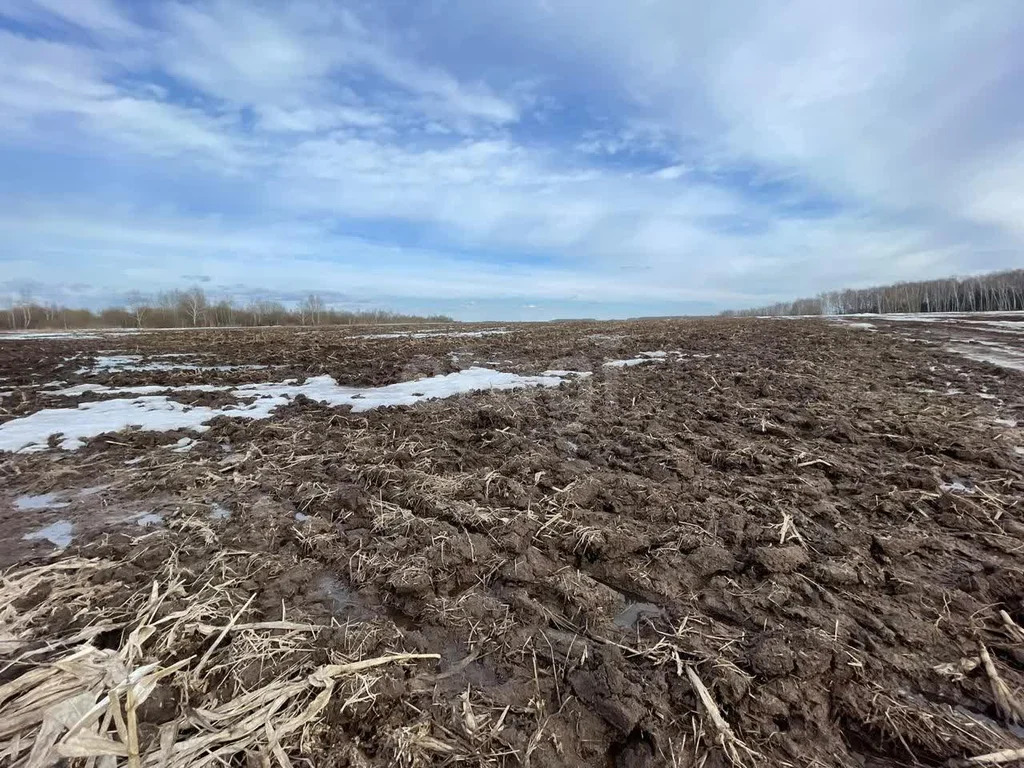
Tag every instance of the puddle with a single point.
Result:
(150, 520)
(636, 607)
(1016, 730)
(219, 512)
(631, 615)
(59, 534)
(339, 598)
(42, 501)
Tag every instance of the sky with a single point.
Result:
(508, 159)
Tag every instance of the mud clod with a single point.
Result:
(708, 561)
(772, 657)
(780, 559)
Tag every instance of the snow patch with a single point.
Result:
(1003, 356)
(567, 374)
(114, 363)
(658, 356)
(159, 413)
(854, 323)
(184, 445)
(955, 487)
(430, 334)
(30, 336)
(147, 389)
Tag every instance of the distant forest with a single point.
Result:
(995, 292)
(190, 308)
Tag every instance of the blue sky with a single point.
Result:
(509, 159)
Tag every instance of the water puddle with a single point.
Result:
(220, 513)
(59, 534)
(340, 600)
(150, 520)
(636, 607)
(42, 501)
(1016, 730)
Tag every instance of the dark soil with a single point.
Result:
(774, 510)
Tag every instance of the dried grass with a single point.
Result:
(75, 701)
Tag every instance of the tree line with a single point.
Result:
(191, 308)
(994, 292)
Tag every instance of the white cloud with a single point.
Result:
(662, 149)
(46, 82)
(289, 56)
(102, 16)
(881, 104)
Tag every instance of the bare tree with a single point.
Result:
(177, 308)
(194, 304)
(139, 305)
(996, 292)
(12, 312)
(25, 300)
(311, 309)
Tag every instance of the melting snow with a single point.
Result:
(54, 335)
(147, 389)
(630, 362)
(113, 363)
(42, 501)
(90, 419)
(1006, 422)
(645, 357)
(1004, 357)
(955, 487)
(59, 534)
(865, 326)
(220, 513)
(160, 413)
(428, 334)
(1000, 326)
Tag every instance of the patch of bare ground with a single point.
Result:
(791, 543)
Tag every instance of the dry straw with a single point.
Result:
(68, 699)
